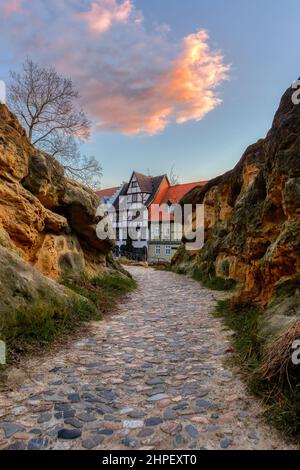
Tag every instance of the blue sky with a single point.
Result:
(259, 38)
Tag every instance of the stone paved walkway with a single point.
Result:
(149, 378)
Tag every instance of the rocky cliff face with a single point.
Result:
(47, 219)
(47, 230)
(252, 215)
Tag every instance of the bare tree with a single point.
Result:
(86, 170)
(44, 102)
(173, 178)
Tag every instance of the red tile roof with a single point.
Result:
(167, 194)
(173, 195)
(109, 192)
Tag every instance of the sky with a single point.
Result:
(183, 83)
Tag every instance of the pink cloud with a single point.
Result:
(104, 13)
(184, 91)
(12, 6)
(133, 79)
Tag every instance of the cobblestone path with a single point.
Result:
(152, 377)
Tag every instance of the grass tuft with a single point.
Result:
(213, 282)
(103, 291)
(268, 374)
(163, 267)
(38, 325)
(243, 321)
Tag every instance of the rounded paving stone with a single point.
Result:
(92, 442)
(153, 421)
(225, 443)
(44, 418)
(192, 431)
(146, 432)
(105, 432)
(37, 444)
(69, 434)
(129, 442)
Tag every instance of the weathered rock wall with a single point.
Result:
(252, 214)
(46, 218)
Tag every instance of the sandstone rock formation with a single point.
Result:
(47, 230)
(252, 215)
(46, 218)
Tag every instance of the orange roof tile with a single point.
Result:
(173, 195)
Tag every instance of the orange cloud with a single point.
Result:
(104, 13)
(133, 79)
(185, 91)
(12, 6)
(190, 85)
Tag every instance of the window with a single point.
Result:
(155, 231)
(134, 184)
(134, 198)
(168, 250)
(166, 232)
(157, 250)
(178, 232)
